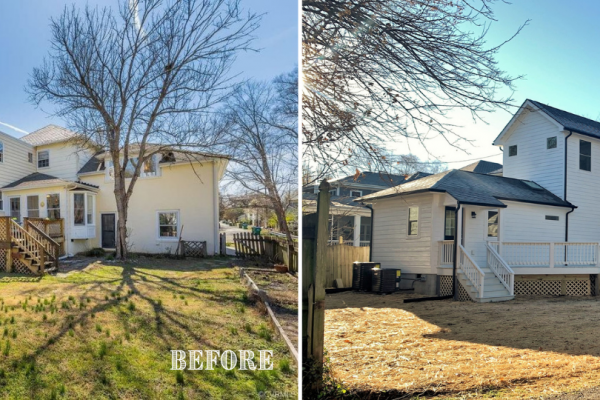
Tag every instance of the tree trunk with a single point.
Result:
(122, 204)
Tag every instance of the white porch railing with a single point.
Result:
(499, 267)
(365, 243)
(469, 267)
(446, 252)
(561, 254)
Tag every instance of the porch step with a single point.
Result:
(494, 290)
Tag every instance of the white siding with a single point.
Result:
(392, 247)
(533, 160)
(522, 222)
(475, 234)
(584, 192)
(65, 160)
(15, 165)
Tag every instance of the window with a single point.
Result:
(53, 206)
(413, 221)
(365, 229)
(450, 223)
(43, 159)
(1, 202)
(78, 209)
(168, 224)
(512, 150)
(333, 192)
(552, 217)
(355, 193)
(1, 152)
(130, 169)
(493, 224)
(30, 157)
(90, 210)
(15, 208)
(149, 167)
(33, 208)
(585, 155)
(551, 142)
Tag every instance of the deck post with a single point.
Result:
(551, 258)
(356, 231)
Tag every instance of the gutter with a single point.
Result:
(565, 194)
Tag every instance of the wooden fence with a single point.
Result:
(248, 245)
(339, 263)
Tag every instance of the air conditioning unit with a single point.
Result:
(362, 275)
(386, 280)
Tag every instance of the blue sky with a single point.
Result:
(25, 35)
(558, 53)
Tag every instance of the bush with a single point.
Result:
(95, 252)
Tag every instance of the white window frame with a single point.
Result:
(37, 204)
(354, 190)
(408, 235)
(89, 196)
(84, 208)
(38, 159)
(20, 208)
(487, 218)
(48, 205)
(167, 238)
(30, 157)
(85, 195)
(110, 168)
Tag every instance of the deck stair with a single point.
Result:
(33, 248)
(493, 282)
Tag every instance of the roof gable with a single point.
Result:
(482, 167)
(48, 135)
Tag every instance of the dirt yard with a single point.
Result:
(536, 347)
(282, 290)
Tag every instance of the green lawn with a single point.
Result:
(107, 332)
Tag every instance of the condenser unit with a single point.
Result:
(386, 280)
(362, 275)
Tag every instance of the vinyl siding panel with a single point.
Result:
(522, 222)
(584, 192)
(65, 160)
(14, 165)
(392, 247)
(533, 160)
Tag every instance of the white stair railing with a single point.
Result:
(469, 267)
(501, 269)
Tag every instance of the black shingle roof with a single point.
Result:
(372, 178)
(35, 177)
(482, 167)
(478, 189)
(93, 164)
(571, 121)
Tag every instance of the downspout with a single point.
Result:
(454, 291)
(565, 194)
(371, 235)
(215, 210)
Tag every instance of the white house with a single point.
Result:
(46, 178)
(533, 230)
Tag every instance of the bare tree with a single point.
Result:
(265, 158)
(377, 71)
(142, 79)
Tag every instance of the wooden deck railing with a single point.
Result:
(54, 228)
(28, 244)
(550, 255)
(51, 248)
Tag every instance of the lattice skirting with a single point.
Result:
(446, 288)
(194, 249)
(3, 256)
(21, 268)
(553, 288)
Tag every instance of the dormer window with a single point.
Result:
(355, 193)
(44, 159)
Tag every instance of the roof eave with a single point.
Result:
(366, 199)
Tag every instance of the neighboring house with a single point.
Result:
(534, 230)
(351, 222)
(47, 175)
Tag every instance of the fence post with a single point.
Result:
(314, 259)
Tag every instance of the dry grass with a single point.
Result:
(106, 332)
(525, 348)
